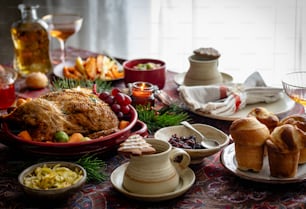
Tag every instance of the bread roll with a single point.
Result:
(249, 136)
(299, 121)
(37, 80)
(284, 150)
(264, 116)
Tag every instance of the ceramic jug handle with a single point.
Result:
(180, 158)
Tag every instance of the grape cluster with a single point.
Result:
(118, 101)
(185, 142)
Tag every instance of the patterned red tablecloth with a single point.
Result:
(215, 186)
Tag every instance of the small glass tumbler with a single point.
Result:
(7, 87)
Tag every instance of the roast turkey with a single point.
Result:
(72, 111)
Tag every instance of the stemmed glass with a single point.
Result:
(61, 27)
(294, 84)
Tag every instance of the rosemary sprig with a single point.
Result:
(66, 83)
(94, 167)
(166, 116)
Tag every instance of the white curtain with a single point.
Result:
(263, 35)
(104, 26)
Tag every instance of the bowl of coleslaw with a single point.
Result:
(52, 180)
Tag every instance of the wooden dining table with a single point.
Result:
(214, 187)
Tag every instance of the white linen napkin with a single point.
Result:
(225, 100)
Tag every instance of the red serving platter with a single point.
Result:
(99, 145)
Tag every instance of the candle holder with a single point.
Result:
(143, 93)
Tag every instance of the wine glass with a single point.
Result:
(294, 85)
(61, 27)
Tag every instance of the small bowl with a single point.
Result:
(156, 76)
(52, 194)
(196, 155)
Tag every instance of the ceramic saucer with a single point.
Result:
(228, 159)
(179, 78)
(186, 181)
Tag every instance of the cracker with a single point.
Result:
(136, 145)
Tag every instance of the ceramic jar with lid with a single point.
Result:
(203, 68)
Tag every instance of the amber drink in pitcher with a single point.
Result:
(31, 42)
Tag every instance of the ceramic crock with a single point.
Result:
(156, 173)
(202, 72)
(156, 76)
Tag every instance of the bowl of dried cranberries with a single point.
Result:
(181, 137)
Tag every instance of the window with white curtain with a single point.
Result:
(263, 35)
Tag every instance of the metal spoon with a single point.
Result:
(207, 143)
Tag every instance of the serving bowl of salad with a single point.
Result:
(146, 70)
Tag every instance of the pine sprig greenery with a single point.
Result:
(94, 167)
(66, 83)
(166, 116)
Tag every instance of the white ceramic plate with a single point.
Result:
(186, 181)
(228, 159)
(179, 78)
(58, 69)
(281, 106)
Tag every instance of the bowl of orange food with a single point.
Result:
(35, 126)
(146, 70)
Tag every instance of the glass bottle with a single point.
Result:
(31, 42)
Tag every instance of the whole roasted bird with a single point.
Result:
(72, 111)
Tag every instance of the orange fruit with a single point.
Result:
(25, 135)
(123, 124)
(75, 137)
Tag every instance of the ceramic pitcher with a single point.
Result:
(156, 173)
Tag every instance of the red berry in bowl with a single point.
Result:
(120, 115)
(104, 95)
(127, 100)
(125, 109)
(120, 98)
(109, 100)
(115, 91)
(116, 107)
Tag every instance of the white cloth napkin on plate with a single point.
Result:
(225, 100)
